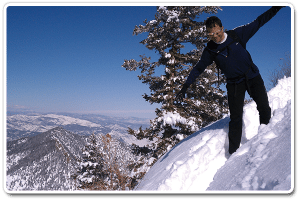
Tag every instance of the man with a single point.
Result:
(228, 51)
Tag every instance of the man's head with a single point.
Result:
(214, 29)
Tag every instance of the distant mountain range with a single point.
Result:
(43, 149)
(24, 125)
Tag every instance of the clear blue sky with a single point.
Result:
(68, 59)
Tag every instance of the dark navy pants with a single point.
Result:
(236, 96)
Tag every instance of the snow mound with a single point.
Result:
(200, 162)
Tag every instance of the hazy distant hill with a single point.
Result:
(23, 125)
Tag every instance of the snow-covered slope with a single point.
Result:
(200, 163)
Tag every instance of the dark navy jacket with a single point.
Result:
(234, 61)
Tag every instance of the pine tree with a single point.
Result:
(91, 169)
(168, 34)
(106, 165)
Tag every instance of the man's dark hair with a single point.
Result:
(212, 21)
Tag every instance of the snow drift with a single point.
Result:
(200, 163)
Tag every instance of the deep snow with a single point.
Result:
(264, 161)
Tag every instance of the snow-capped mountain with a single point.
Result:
(200, 163)
(43, 162)
(43, 149)
(23, 125)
